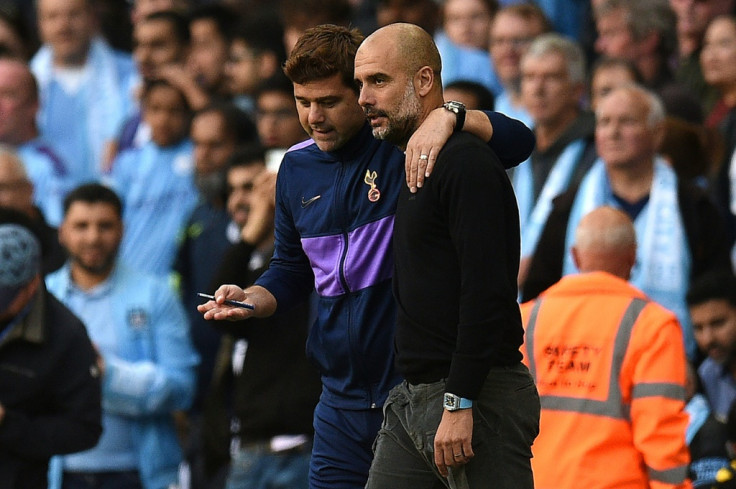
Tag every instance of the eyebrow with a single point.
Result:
(326, 98)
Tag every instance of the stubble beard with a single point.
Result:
(402, 123)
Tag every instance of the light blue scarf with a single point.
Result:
(663, 259)
(698, 410)
(108, 89)
(533, 215)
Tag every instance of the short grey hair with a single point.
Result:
(656, 112)
(570, 50)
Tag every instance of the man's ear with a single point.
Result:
(424, 80)
(575, 257)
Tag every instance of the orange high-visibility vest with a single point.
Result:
(610, 369)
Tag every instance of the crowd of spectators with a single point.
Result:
(165, 101)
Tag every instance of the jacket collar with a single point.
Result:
(356, 146)
(30, 325)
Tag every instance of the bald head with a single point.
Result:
(412, 45)
(605, 241)
(398, 71)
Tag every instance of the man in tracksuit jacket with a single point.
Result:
(336, 197)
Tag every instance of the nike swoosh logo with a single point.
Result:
(305, 203)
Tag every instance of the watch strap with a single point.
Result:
(457, 108)
(451, 402)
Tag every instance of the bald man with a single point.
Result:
(459, 329)
(610, 366)
(605, 241)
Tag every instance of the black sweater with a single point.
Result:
(457, 257)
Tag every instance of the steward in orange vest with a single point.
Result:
(610, 370)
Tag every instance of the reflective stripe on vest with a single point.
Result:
(670, 476)
(658, 389)
(613, 406)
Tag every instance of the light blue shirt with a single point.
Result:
(50, 176)
(115, 450)
(81, 118)
(503, 104)
(461, 63)
(150, 364)
(719, 387)
(157, 188)
(65, 123)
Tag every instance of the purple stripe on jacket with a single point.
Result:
(301, 145)
(369, 258)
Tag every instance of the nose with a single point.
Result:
(93, 234)
(364, 97)
(704, 337)
(315, 114)
(600, 44)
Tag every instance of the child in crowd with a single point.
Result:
(156, 181)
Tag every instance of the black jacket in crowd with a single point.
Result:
(50, 390)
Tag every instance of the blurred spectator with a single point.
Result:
(552, 87)
(299, 15)
(424, 13)
(81, 79)
(610, 367)
(692, 150)
(143, 8)
(512, 30)
(467, 23)
(717, 57)
(472, 94)
(641, 32)
(463, 42)
(142, 335)
(161, 46)
(268, 445)
(718, 61)
(50, 381)
(15, 38)
(693, 16)
(712, 302)
(256, 54)
(160, 39)
(277, 120)
(113, 20)
(216, 132)
(16, 192)
(608, 74)
(18, 109)
(211, 28)
(705, 436)
(156, 182)
(679, 232)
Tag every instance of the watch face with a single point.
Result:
(454, 106)
(450, 401)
